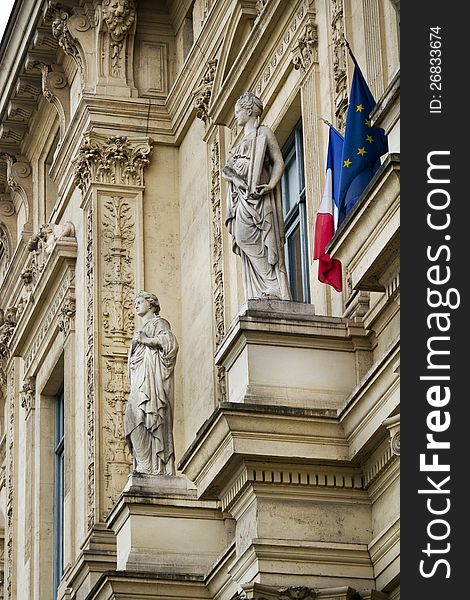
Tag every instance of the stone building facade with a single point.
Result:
(116, 120)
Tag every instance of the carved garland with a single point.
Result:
(10, 485)
(203, 93)
(118, 228)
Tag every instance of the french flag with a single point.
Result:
(329, 269)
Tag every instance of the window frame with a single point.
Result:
(297, 215)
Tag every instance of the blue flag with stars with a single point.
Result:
(363, 145)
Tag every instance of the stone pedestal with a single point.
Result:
(161, 526)
(281, 353)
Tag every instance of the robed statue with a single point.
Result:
(148, 422)
(254, 209)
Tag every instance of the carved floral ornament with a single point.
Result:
(306, 51)
(27, 394)
(203, 93)
(111, 160)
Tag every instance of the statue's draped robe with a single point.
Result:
(256, 224)
(149, 410)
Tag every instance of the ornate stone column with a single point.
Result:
(109, 171)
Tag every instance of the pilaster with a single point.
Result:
(109, 171)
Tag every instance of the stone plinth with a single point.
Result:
(281, 353)
(159, 523)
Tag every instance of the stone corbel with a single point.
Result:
(56, 91)
(19, 180)
(58, 16)
(393, 426)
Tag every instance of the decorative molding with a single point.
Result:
(7, 208)
(8, 320)
(339, 62)
(120, 17)
(67, 313)
(10, 485)
(291, 477)
(217, 264)
(116, 455)
(305, 53)
(54, 308)
(274, 60)
(379, 466)
(117, 252)
(116, 160)
(202, 94)
(90, 370)
(27, 395)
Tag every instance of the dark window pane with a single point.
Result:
(295, 264)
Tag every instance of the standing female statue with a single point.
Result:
(254, 212)
(148, 422)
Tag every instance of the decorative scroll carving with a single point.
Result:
(119, 16)
(19, 177)
(54, 83)
(41, 246)
(111, 160)
(305, 52)
(393, 426)
(90, 370)
(7, 327)
(27, 394)
(118, 228)
(67, 283)
(217, 262)
(67, 313)
(339, 62)
(7, 208)
(58, 15)
(117, 458)
(203, 93)
(10, 484)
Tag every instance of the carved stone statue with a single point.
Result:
(254, 210)
(148, 422)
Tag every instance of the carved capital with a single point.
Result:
(203, 93)
(27, 394)
(119, 160)
(306, 51)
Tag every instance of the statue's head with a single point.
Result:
(151, 299)
(251, 103)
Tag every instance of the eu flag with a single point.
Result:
(363, 145)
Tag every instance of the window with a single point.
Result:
(295, 217)
(58, 519)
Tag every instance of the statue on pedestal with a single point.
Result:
(148, 421)
(254, 209)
